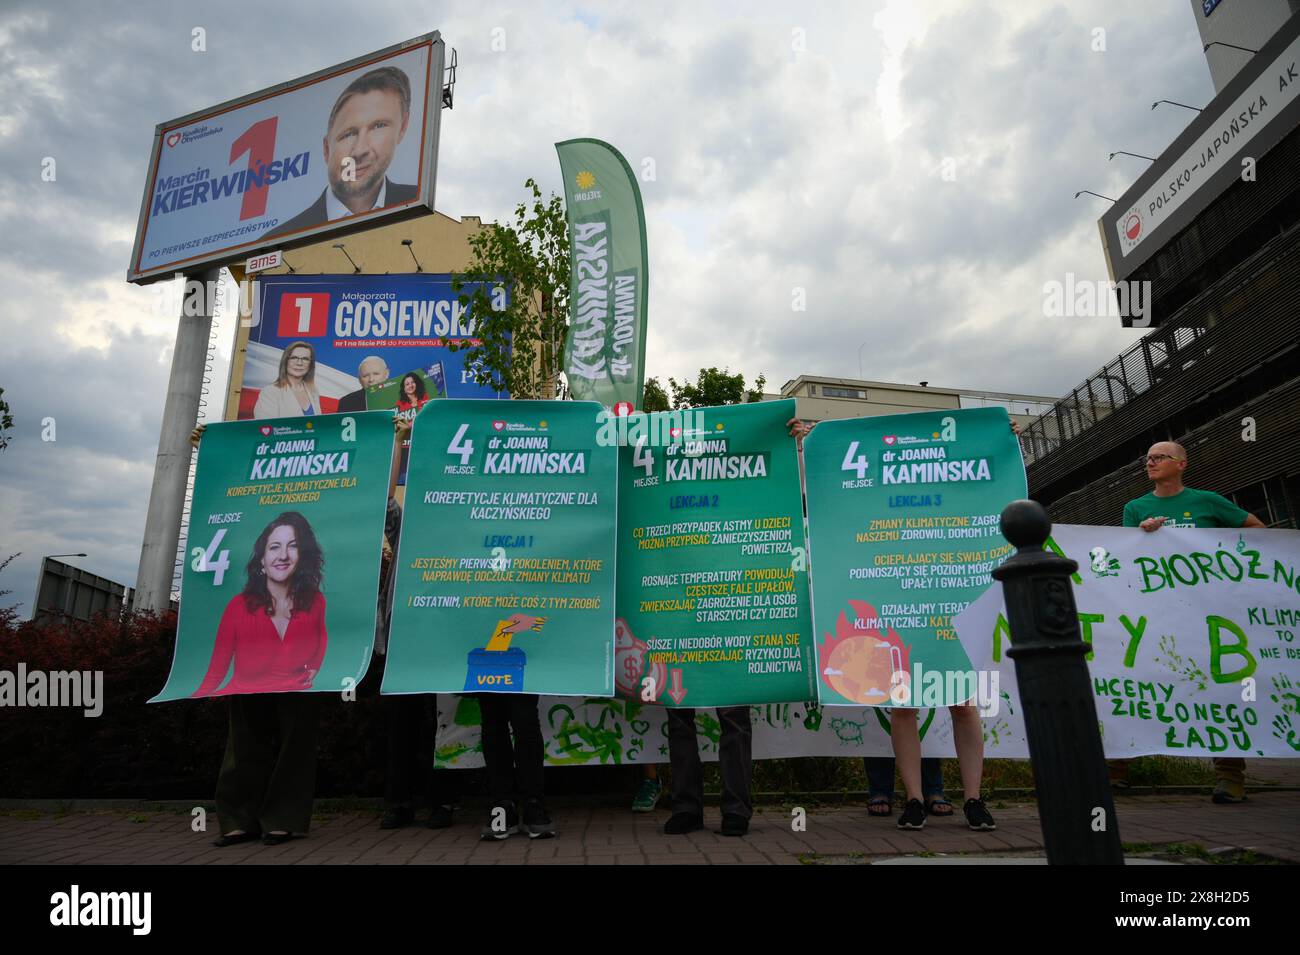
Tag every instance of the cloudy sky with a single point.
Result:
(794, 146)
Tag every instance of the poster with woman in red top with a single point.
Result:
(281, 575)
(273, 631)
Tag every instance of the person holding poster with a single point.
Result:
(256, 783)
(1171, 504)
(903, 512)
(267, 631)
(713, 606)
(413, 395)
(505, 578)
(373, 370)
(294, 390)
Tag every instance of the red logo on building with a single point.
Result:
(1133, 226)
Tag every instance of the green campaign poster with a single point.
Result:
(713, 603)
(282, 574)
(505, 571)
(903, 516)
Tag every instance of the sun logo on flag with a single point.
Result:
(585, 179)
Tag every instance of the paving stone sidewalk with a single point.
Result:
(1268, 824)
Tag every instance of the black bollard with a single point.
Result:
(1075, 807)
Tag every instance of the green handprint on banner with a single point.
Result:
(1287, 694)
(1285, 731)
(1187, 669)
(812, 717)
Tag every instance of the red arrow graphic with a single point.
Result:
(677, 691)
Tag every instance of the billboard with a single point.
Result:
(324, 153)
(1252, 114)
(369, 342)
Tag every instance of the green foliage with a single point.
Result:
(655, 398)
(523, 341)
(712, 388)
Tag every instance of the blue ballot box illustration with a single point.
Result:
(500, 670)
(499, 667)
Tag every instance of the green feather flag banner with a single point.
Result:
(604, 354)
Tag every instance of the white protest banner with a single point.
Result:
(1193, 638)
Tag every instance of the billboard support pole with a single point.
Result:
(162, 524)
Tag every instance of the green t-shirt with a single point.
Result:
(1188, 508)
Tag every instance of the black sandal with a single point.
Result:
(938, 806)
(880, 806)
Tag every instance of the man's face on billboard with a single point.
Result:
(372, 372)
(367, 130)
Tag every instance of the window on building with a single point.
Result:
(831, 392)
(1267, 501)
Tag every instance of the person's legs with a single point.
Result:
(880, 776)
(246, 767)
(684, 757)
(648, 788)
(530, 748)
(402, 715)
(907, 749)
(736, 761)
(936, 803)
(287, 806)
(444, 784)
(968, 737)
(498, 751)
(1230, 781)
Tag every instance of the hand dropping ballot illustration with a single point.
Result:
(500, 666)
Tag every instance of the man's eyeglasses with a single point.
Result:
(1157, 458)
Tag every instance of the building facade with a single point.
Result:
(1220, 372)
(824, 399)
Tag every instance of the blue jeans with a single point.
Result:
(880, 777)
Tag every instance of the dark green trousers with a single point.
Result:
(268, 778)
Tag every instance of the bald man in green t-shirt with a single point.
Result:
(1171, 504)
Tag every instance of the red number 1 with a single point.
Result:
(259, 142)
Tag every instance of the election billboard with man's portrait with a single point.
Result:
(342, 343)
(350, 144)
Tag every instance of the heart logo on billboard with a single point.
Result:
(498, 425)
(891, 438)
(173, 139)
(675, 432)
(265, 429)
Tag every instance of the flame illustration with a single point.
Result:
(863, 663)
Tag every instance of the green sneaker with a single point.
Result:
(1227, 792)
(647, 795)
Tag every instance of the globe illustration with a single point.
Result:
(860, 669)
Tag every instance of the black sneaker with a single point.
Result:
(537, 824)
(440, 818)
(977, 816)
(397, 817)
(733, 825)
(681, 823)
(503, 822)
(913, 816)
